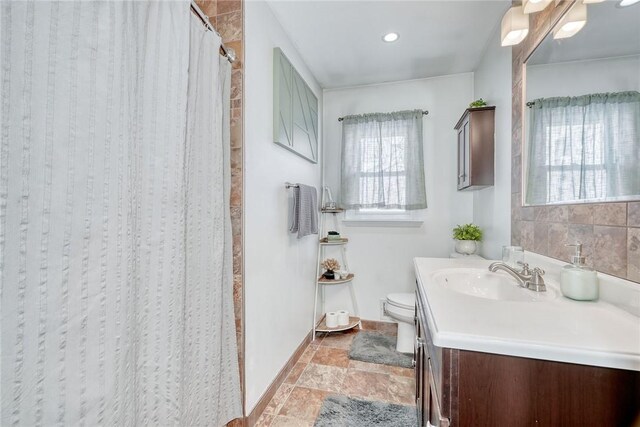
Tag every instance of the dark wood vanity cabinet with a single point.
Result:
(461, 388)
(475, 131)
(433, 401)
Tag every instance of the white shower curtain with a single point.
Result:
(116, 289)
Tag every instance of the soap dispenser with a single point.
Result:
(578, 281)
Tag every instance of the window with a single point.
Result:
(383, 165)
(584, 148)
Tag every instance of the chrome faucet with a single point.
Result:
(529, 279)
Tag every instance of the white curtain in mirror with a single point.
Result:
(383, 161)
(584, 148)
(116, 291)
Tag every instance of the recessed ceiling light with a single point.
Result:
(390, 37)
(625, 3)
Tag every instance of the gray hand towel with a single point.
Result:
(304, 214)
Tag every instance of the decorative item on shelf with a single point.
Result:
(467, 237)
(330, 204)
(331, 265)
(478, 103)
(333, 235)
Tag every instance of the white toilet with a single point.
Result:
(401, 307)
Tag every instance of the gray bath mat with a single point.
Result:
(378, 348)
(344, 411)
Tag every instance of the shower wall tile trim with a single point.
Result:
(610, 232)
(227, 16)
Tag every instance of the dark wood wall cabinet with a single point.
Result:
(475, 148)
(460, 388)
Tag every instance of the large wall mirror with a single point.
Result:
(582, 114)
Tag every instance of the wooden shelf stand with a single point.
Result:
(323, 245)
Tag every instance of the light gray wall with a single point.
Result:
(583, 77)
(381, 257)
(279, 268)
(492, 205)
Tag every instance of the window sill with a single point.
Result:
(407, 223)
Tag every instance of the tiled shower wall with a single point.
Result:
(227, 16)
(610, 232)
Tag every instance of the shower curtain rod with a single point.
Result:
(424, 113)
(227, 52)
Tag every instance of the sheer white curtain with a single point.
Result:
(211, 392)
(383, 161)
(584, 148)
(115, 266)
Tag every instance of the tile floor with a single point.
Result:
(325, 368)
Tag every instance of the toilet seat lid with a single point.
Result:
(404, 300)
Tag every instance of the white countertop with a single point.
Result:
(589, 333)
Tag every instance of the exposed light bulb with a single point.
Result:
(625, 3)
(390, 37)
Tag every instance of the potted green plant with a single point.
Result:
(467, 237)
(478, 103)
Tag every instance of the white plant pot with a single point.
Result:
(467, 247)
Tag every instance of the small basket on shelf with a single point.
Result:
(333, 236)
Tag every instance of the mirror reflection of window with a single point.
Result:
(584, 148)
(582, 126)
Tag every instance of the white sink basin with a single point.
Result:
(481, 283)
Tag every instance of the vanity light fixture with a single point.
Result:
(390, 37)
(514, 27)
(572, 22)
(533, 6)
(625, 3)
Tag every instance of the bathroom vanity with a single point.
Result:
(489, 353)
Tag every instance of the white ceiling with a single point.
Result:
(341, 41)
